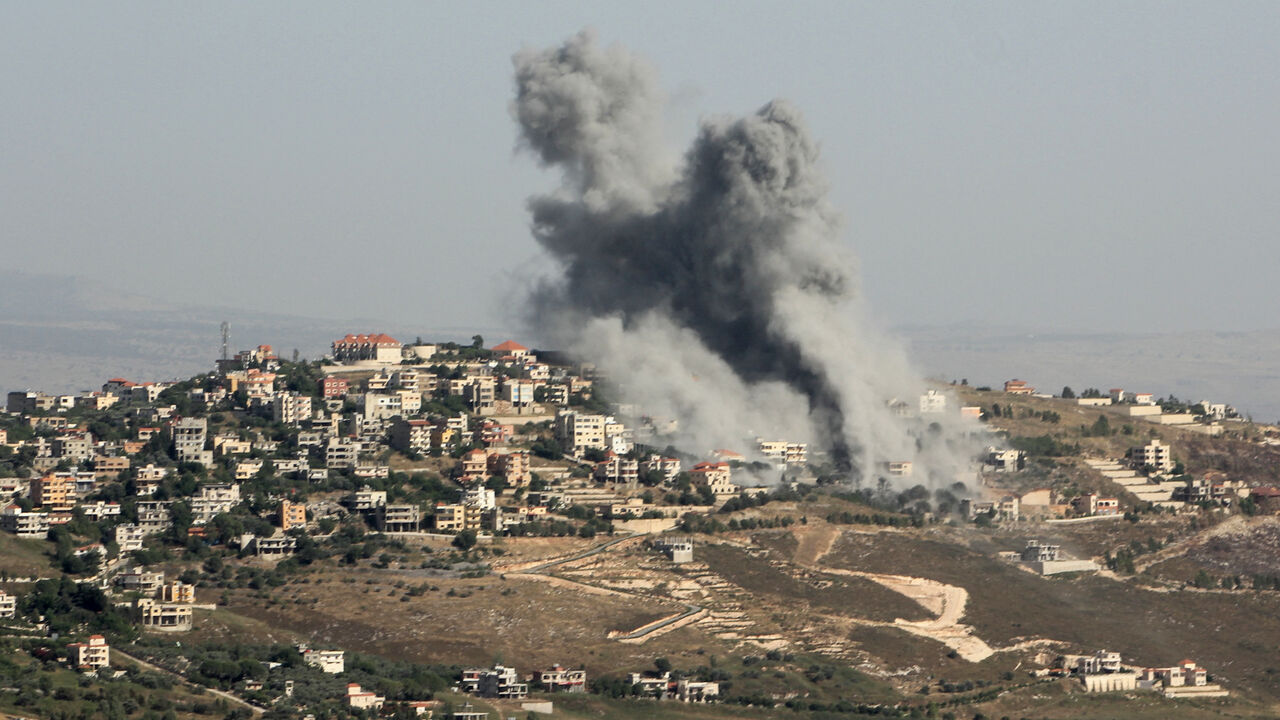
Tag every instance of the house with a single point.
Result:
(332, 386)
(668, 467)
(475, 464)
(92, 655)
(616, 469)
(691, 691)
(457, 517)
(341, 453)
(1005, 460)
(898, 468)
(178, 592)
(658, 686)
(579, 431)
(1155, 455)
(292, 515)
(500, 682)
(1144, 399)
(147, 583)
(1094, 504)
(713, 475)
(399, 518)
(561, 679)
(1008, 507)
(23, 523)
(376, 347)
(513, 352)
(679, 549)
(514, 466)
(53, 493)
(358, 699)
(8, 605)
(166, 617)
(329, 661)
(932, 403)
(1018, 387)
(781, 451)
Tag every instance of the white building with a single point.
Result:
(329, 661)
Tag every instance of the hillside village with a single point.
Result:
(461, 531)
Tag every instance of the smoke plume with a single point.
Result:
(712, 288)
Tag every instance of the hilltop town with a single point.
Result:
(463, 531)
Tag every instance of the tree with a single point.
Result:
(1068, 393)
(477, 341)
(465, 540)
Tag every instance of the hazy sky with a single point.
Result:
(1063, 166)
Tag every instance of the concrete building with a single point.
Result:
(92, 655)
(189, 436)
(933, 403)
(290, 408)
(1155, 455)
(358, 699)
(501, 682)
(374, 347)
(1018, 387)
(341, 453)
(679, 549)
(23, 523)
(328, 661)
(53, 493)
(292, 515)
(8, 605)
(578, 431)
(165, 617)
(561, 679)
(399, 518)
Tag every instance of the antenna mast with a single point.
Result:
(226, 336)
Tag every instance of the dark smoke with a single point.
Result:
(733, 250)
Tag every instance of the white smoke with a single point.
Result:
(713, 290)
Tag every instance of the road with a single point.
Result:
(638, 634)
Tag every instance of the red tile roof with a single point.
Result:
(508, 346)
(370, 339)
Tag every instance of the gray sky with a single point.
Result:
(1063, 166)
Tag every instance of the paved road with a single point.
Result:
(219, 693)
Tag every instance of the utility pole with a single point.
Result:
(226, 337)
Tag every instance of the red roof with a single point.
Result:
(371, 339)
(509, 346)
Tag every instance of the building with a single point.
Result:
(358, 699)
(512, 351)
(292, 515)
(53, 493)
(579, 431)
(617, 469)
(399, 518)
(341, 453)
(290, 408)
(165, 617)
(715, 475)
(932, 403)
(1094, 504)
(92, 655)
(501, 682)
(332, 386)
(561, 679)
(691, 691)
(23, 523)
(514, 466)
(178, 592)
(1005, 460)
(8, 605)
(1155, 455)
(679, 549)
(329, 661)
(457, 517)
(375, 347)
(1018, 387)
(141, 581)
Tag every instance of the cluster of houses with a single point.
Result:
(1105, 671)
